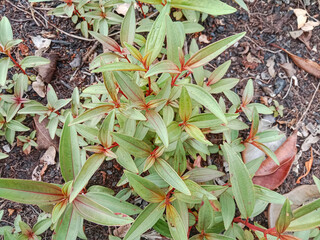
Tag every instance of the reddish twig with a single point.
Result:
(16, 63)
(140, 5)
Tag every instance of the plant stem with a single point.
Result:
(140, 5)
(16, 63)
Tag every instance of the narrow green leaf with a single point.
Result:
(242, 186)
(156, 35)
(218, 73)
(146, 189)
(128, 26)
(29, 192)
(158, 124)
(17, 126)
(4, 66)
(165, 66)
(41, 226)
(185, 105)
(242, 4)
(169, 175)
(33, 61)
(69, 156)
(94, 212)
(113, 203)
(92, 113)
(224, 85)
(6, 31)
(206, 218)
(213, 7)
(125, 160)
(203, 174)
(306, 222)
(133, 146)
(176, 225)
(119, 66)
(107, 42)
(89, 168)
(106, 129)
(175, 39)
(68, 226)
(145, 220)
(196, 133)
(134, 52)
(228, 209)
(248, 93)
(284, 218)
(204, 98)
(208, 53)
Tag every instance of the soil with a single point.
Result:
(269, 21)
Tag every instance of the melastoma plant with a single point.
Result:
(155, 113)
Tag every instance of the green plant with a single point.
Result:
(154, 117)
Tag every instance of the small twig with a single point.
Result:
(264, 49)
(309, 105)
(288, 89)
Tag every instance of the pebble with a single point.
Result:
(220, 29)
(109, 164)
(76, 62)
(280, 85)
(6, 148)
(109, 172)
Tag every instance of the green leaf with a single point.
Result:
(204, 98)
(165, 66)
(185, 105)
(203, 174)
(133, 145)
(306, 209)
(192, 27)
(308, 221)
(41, 226)
(156, 35)
(17, 126)
(125, 160)
(145, 220)
(113, 203)
(213, 7)
(218, 73)
(267, 151)
(180, 160)
(6, 31)
(119, 66)
(208, 53)
(106, 129)
(242, 4)
(94, 212)
(255, 123)
(228, 209)
(128, 26)
(269, 136)
(146, 189)
(214, 236)
(129, 87)
(224, 85)
(134, 52)
(248, 93)
(33, 61)
(107, 42)
(69, 156)
(89, 168)
(158, 124)
(68, 225)
(176, 225)
(93, 113)
(175, 39)
(242, 186)
(4, 66)
(196, 133)
(169, 175)
(284, 218)
(206, 218)
(29, 192)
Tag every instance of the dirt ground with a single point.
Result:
(269, 21)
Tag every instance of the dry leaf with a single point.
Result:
(288, 67)
(271, 175)
(306, 145)
(270, 64)
(46, 71)
(301, 16)
(123, 8)
(308, 165)
(252, 59)
(27, 150)
(49, 156)
(306, 64)
(296, 34)
(305, 38)
(44, 140)
(121, 231)
(40, 42)
(310, 25)
(203, 39)
(10, 211)
(24, 49)
(299, 196)
(39, 87)
(35, 176)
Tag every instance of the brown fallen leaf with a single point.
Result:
(305, 38)
(203, 39)
(289, 69)
(271, 175)
(24, 49)
(308, 165)
(39, 87)
(301, 16)
(10, 211)
(46, 71)
(305, 64)
(44, 140)
(121, 231)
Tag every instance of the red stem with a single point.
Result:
(140, 5)
(150, 90)
(174, 80)
(126, 57)
(16, 63)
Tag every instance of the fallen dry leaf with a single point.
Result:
(10, 211)
(41, 42)
(123, 8)
(39, 87)
(301, 16)
(44, 140)
(46, 71)
(308, 165)
(49, 156)
(296, 34)
(27, 150)
(271, 175)
(306, 145)
(288, 67)
(310, 25)
(203, 39)
(270, 64)
(306, 64)
(121, 231)
(298, 196)
(24, 49)
(305, 38)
